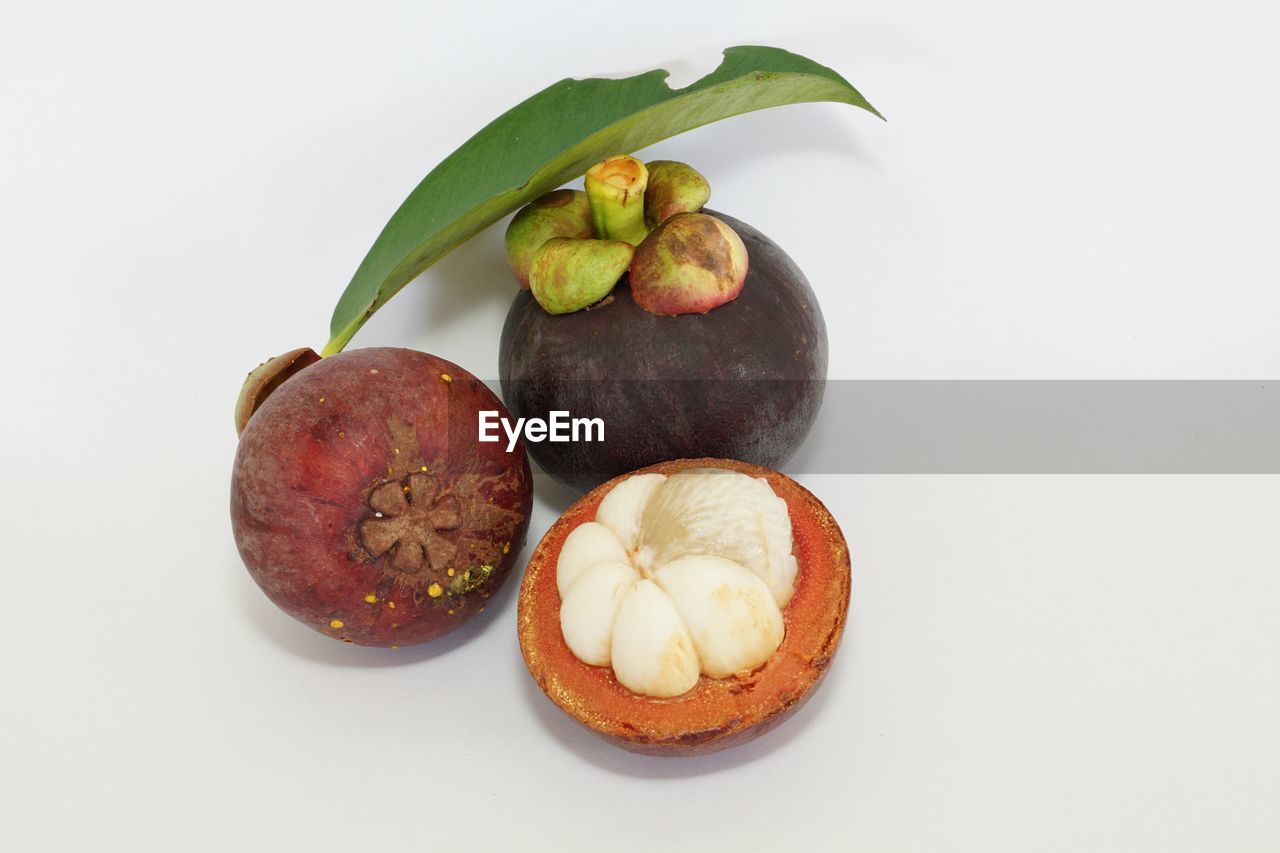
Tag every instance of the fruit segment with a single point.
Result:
(653, 653)
(587, 545)
(678, 577)
(591, 607)
(621, 509)
(730, 613)
(731, 515)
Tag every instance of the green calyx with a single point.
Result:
(568, 275)
(561, 213)
(566, 245)
(690, 264)
(673, 188)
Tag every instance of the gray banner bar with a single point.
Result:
(1005, 426)
(1045, 427)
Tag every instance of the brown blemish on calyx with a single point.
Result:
(555, 198)
(699, 242)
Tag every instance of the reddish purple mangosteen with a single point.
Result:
(362, 502)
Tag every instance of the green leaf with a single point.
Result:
(555, 136)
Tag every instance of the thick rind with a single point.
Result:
(717, 713)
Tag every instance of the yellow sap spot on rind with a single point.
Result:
(435, 590)
(470, 579)
(391, 604)
(322, 399)
(446, 377)
(424, 469)
(450, 572)
(335, 623)
(506, 547)
(371, 598)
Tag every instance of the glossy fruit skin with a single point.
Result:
(743, 381)
(717, 713)
(369, 431)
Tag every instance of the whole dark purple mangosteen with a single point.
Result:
(742, 381)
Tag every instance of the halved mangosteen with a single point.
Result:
(686, 607)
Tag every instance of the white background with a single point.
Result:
(1061, 191)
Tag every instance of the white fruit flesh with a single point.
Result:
(621, 509)
(588, 611)
(731, 515)
(585, 546)
(729, 612)
(652, 651)
(678, 576)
